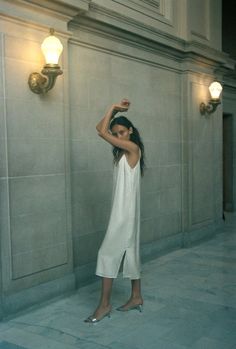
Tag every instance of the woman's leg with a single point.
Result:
(136, 291)
(104, 306)
(106, 291)
(135, 298)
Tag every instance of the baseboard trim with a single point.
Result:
(198, 235)
(85, 274)
(161, 247)
(36, 295)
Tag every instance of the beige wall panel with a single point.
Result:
(229, 107)
(204, 22)
(36, 238)
(202, 160)
(199, 18)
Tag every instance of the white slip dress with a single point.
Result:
(123, 232)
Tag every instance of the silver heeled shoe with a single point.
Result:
(93, 320)
(138, 307)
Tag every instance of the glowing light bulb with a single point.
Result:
(215, 90)
(52, 48)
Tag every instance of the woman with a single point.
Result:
(121, 241)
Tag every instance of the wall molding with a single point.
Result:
(154, 9)
(42, 13)
(36, 295)
(69, 8)
(151, 45)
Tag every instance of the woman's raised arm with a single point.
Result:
(104, 132)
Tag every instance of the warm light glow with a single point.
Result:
(215, 90)
(52, 48)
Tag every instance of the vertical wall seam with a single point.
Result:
(3, 63)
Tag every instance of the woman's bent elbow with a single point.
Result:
(101, 134)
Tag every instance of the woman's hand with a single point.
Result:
(122, 106)
(103, 126)
(125, 102)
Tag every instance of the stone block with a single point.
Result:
(150, 204)
(79, 94)
(100, 156)
(37, 231)
(79, 156)
(36, 295)
(37, 194)
(174, 130)
(83, 119)
(16, 83)
(170, 176)
(99, 93)
(147, 230)
(174, 153)
(149, 127)
(201, 130)
(92, 186)
(153, 153)
(202, 199)
(163, 130)
(170, 200)
(151, 180)
(122, 69)
(92, 63)
(36, 157)
(120, 90)
(2, 119)
(1, 74)
(169, 224)
(86, 248)
(163, 153)
(16, 73)
(3, 155)
(31, 53)
(37, 260)
(85, 274)
(36, 120)
(4, 212)
(90, 216)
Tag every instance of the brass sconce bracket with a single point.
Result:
(215, 89)
(51, 48)
(40, 84)
(210, 107)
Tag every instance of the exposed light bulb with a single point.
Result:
(215, 90)
(52, 48)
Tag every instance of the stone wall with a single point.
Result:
(166, 80)
(155, 110)
(56, 173)
(36, 245)
(230, 110)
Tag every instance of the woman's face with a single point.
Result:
(121, 132)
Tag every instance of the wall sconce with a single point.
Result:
(215, 90)
(52, 48)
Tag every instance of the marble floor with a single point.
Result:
(190, 302)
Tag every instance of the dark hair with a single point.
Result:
(134, 137)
